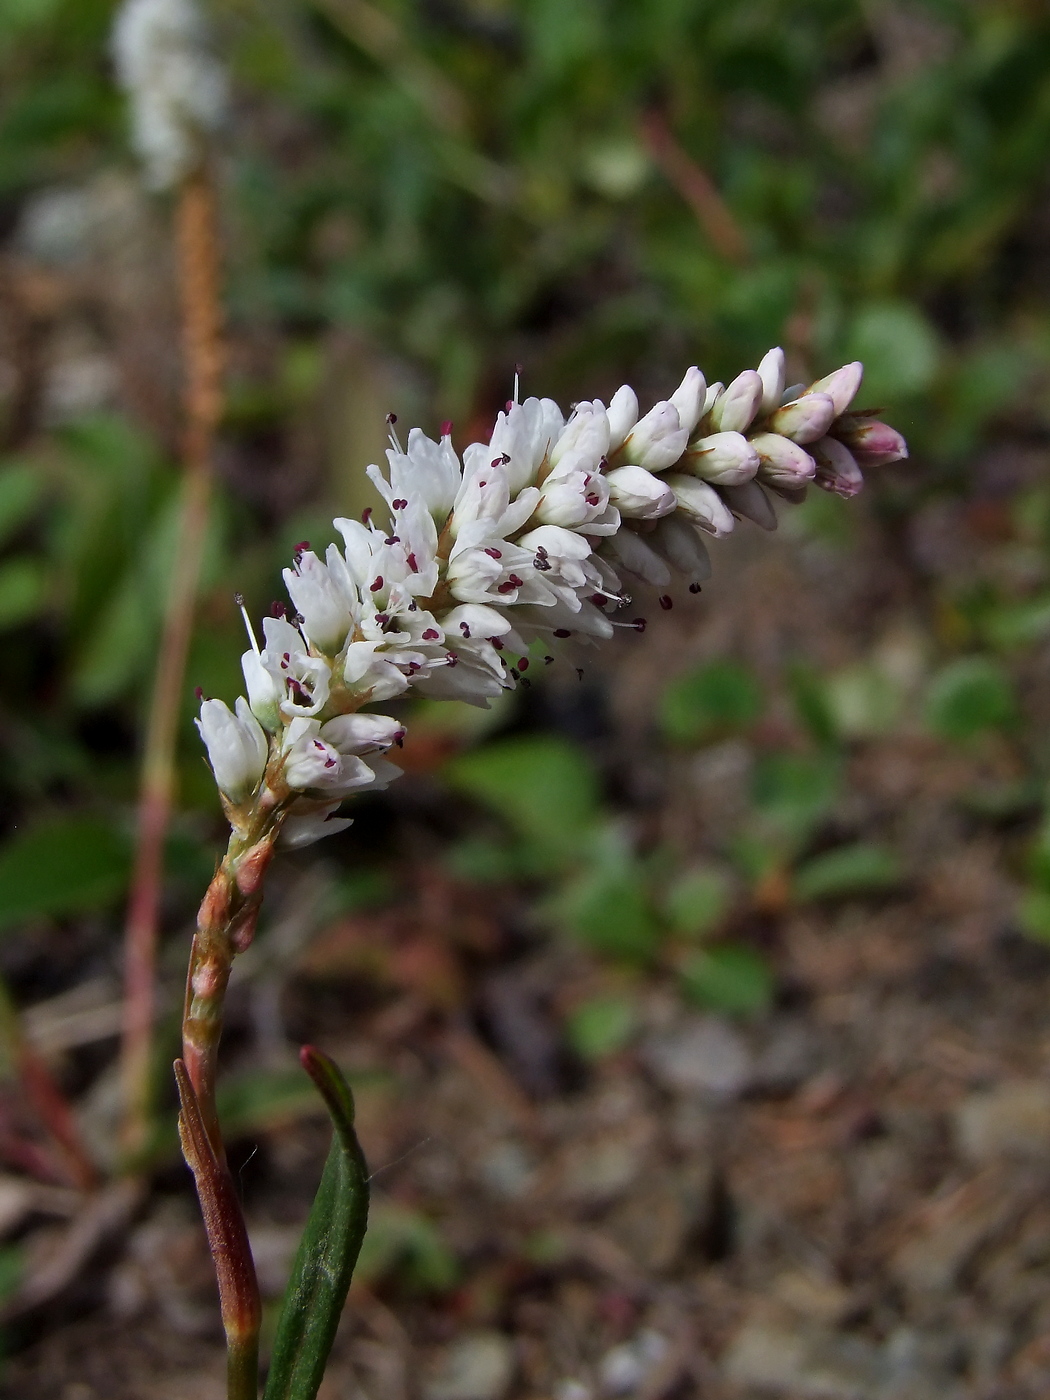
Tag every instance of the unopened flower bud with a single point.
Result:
(805, 419)
(771, 373)
(264, 693)
(237, 747)
(837, 468)
(623, 414)
(702, 505)
(362, 733)
(727, 459)
(639, 494)
(737, 405)
(752, 503)
(656, 441)
(841, 386)
(689, 398)
(682, 545)
(632, 553)
(781, 461)
(872, 443)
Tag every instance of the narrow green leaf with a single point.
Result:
(328, 1250)
(61, 867)
(848, 870)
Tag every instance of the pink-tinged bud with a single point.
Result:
(752, 503)
(841, 387)
(735, 408)
(656, 441)
(804, 420)
(771, 373)
(639, 494)
(727, 459)
(837, 468)
(623, 414)
(781, 461)
(689, 398)
(702, 505)
(683, 547)
(874, 444)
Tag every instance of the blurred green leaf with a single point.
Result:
(848, 870)
(21, 491)
(403, 1242)
(609, 907)
(899, 349)
(794, 792)
(1033, 914)
(24, 586)
(64, 866)
(697, 901)
(544, 787)
(968, 697)
(809, 691)
(719, 697)
(602, 1025)
(729, 977)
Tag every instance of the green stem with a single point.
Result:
(242, 1368)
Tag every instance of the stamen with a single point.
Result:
(453, 659)
(666, 602)
(518, 372)
(415, 569)
(494, 553)
(562, 632)
(695, 588)
(392, 539)
(366, 515)
(238, 598)
(199, 692)
(398, 505)
(278, 609)
(376, 584)
(431, 635)
(547, 660)
(391, 419)
(464, 629)
(497, 642)
(523, 663)
(446, 428)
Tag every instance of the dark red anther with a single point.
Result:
(399, 738)
(665, 602)
(412, 564)
(562, 632)
(526, 684)
(376, 585)
(431, 635)
(301, 547)
(695, 588)
(413, 667)
(639, 624)
(547, 660)
(392, 539)
(494, 553)
(523, 663)
(514, 674)
(505, 459)
(446, 428)
(366, 515)
(391, 418)
(598, 600)
(496, 462)
(508, 405)
(464, 629)
(497, 642)
(453, 659)
(318, 745)
(286, 657)
(592, 498)
(399, 505)
(238, 600)
(199, 692)
(519, 369)
(382, 619)
(516, 582)
(278, 609)
(505, 588)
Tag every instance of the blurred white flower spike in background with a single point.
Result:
(488, 561)
(175, 84)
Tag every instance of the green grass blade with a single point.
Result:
(328, 1250)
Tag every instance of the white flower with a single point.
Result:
(771, 373)
(689, 398)
(631, 552)
(727, 459)
(320, 602)
(176, 85)
(837, 468)
(429, 471)
(284, 674)
(584, 440)
(237, 747)
(781, 461)
(752, 503)
(578, 500)
(841, 386)
(701, 504)
(656, 441)
(623, 414)
(683, 547)
(804, 419)
(735, 407)
(362, 733)
(639, 494)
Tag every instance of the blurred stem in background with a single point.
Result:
(198, 268)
